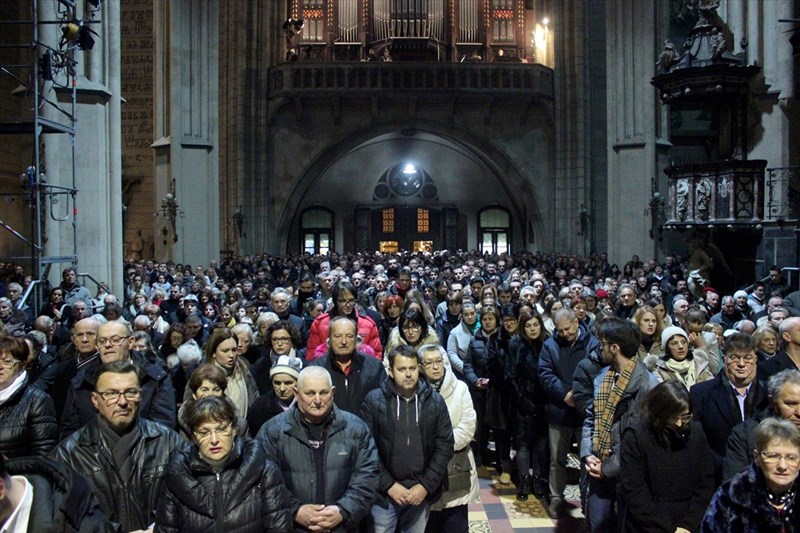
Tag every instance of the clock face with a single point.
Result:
(405, 181)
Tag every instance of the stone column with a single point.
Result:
(186, 117)
(97, 229)
(637, 131)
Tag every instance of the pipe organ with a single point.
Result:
(412, 30)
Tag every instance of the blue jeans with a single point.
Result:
(401, 518)
(600, 505)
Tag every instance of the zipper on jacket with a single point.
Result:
(220, 510)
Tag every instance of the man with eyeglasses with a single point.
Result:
(559, 358)
(784, 402)
(618, 391)
(280, 304)
(733, 396)
(123, 455)
(114, 341)
(354, 373)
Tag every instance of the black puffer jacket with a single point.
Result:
(248, 495)
(28, 423)
(350, 466)
(132, 504)
(477, 355)
(435, 428)
(63, 501)
(521, 369)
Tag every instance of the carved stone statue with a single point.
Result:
(705, 10)
(682, 200)
(702, 198)
(668, 56)
(291, 31)
(718, 43)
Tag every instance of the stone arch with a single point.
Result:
(523, 202)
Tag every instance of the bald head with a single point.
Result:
(84, 335)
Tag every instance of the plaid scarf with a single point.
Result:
(605, 404)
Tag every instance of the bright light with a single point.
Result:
(546, 21)
(409, 169)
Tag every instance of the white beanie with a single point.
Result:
(287, 365)
(670, 332)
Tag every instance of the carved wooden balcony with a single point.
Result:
(497, 79)
(727, 193)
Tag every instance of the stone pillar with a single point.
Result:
(186, 118)
(635, 32)
(97, 228)
(251, 40)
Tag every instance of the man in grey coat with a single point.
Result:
(327, 457)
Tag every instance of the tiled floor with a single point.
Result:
(500, 512)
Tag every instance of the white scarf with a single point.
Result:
(17, 384)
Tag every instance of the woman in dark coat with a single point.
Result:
(478, 378)
(223, 482)
(529, 399)
(762, 497)
(498, 397)
(27, 415)
(667, 474)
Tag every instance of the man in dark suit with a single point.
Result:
(733, 396)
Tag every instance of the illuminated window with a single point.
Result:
(423, 221)
(494, 228)
(316, 230)
(388, 220)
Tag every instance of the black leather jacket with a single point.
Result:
(247, 495)
(28, 423)
(63, 501)
(131, 503)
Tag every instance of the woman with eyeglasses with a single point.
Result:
(27, 415)
(666, 469)
(763, 497)
(413, 330)
(344, 304)
(224, 481)
(282, 338)
(206, 380)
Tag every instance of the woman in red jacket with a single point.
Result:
(344, 304)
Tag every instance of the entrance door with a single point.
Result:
(407, 228)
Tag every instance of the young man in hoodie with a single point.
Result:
(414, 437)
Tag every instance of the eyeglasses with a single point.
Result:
(205, 434)
(770, 458)
(112, 396)
(412, 327)
(8, 363)
(281, 340)
(749, 358)
(114, 341)
(434, 363)
(351, 301)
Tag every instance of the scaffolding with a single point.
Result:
(46, 74)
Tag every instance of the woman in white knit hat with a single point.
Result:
(680, 361)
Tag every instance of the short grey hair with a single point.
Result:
(777, 381)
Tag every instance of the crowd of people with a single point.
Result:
(361, 392)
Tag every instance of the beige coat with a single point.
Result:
(462, 415)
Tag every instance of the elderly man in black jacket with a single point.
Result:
(354, 374)
(414, 437)
(157, 401)
(326, 455)
(122, 455)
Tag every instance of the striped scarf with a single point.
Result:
(605, 404)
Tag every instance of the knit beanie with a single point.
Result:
(670, 332)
